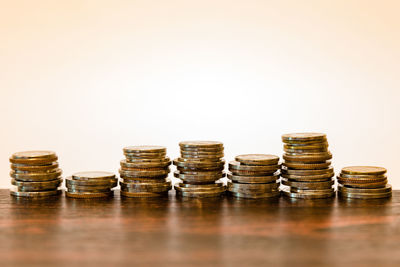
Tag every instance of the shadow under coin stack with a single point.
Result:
(306, 171)
(254, 176)
(200, 167)
(35, 174)
(145, 172)
(92, 184)
(364, 182)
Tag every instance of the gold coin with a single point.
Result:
(36, 176)
(144, 174)
(37, 186)
(308, 178)
(306, 166)
(111, 182)
(88, 195)
(199, 194)
(253, 179)
(299, 137)
(143, 160)
(301, 146)
(198, 164)
(272, 194)
(200, 189)
(308, 185)
(364, 170)
(257, 159)
(380, 184)
(252, 173)
(308, 195)
(143, 194)
(364, 195)
(315, 157)
(146, 187)
(37, 194)
(252, 188)
(93, 175)
(133, 156)
(361, 180)
(312, 191)
(34, 168)
(145, 165)
(212, 185)
(309, 151)
(201, 144)
(145, 149)
(307, 172)
(387, 188)
(90, 190)
(235, 165)
(34, 154)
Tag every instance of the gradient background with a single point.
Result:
(86, 78)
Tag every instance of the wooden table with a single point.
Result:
(195, 232)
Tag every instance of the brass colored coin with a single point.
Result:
(202, 157)
(253, 179)
(197, 164)
(144, 169)
(199, 194)
(307, 172)
(235, 165)
(308, 185)
(36, 176)
(33, 168)
(148, 190)
(37, 186)
(88, 187)
(361, 176)
(146, 187)
(90, 190)
(308, 195)
(381, 184)
(198, 179)
(206, 160)
(252, 188)
(201, 144)
(308, 178)
(315, 157)
(387, 188)
(322, 145)
(209, 170)
(145, 165)
(203, 153)
(306, 166)
(143, 160)
(144, 180)
(93, 175)
(360, 180)
(300, 137)
(364, 195)
(257, 159)
(106, 182)
(144, 174)
(273, 194)
(88, 195)
(201, 186)
(200, 189)
(33, 157)
(145, 149)
(364, 170)
(143, 194)
(37, 194)
(252, 173)
(299, 151)
(312, 191)
(133, 156)
(203, 149)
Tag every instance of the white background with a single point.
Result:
(86, 78)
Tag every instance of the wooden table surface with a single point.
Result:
(199, 232)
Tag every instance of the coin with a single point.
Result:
(308, 195)
(381, 184)
(364, 195)
(36, 176)
(294, 151)
(306, 146)
(146, 187)
(272, 194)
(314, 157)
(200, 194)
(90, 190)
(360, 181)
(144, 174)
(37, 194)
(89, 195)
(235, 165)
(37, 186)
(252, 188)
(144, 180)
(34, 168)
(308, 185)
(145, 149)
(145, 160)
(387, 188)
(201, 144)
(145, 165)
(361, 176)
(253, 179)
(257, 159)
(212, 185)
(312, 191)
(93, 182)
(308, 178)
(33, 157)
(93, 175)
(307, 172)
(198, 179)
(197, 164)
(306, 166)
(142, 194)
(132, 157)
(364, 170)
(304, 137)
(200, 189)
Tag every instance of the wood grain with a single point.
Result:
(216, 232)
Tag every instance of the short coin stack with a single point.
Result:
(35, 174)
(91, 184)
(307, 169)
(254, 176)
(364, 182)
(200, 167)
(145, 171)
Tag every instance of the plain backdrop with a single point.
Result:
(86, 78)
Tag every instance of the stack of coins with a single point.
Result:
(35, 174)
(365, 182)
(254, 176)
(145, 171)
(200, 167)
(92, 184)
(306, 170)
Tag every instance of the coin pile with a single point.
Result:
(91, 184)
(306, 171)
(200, 167)
(365, 182)
(144, 172)
(254, 176)
(35, 174)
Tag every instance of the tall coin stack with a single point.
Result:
(307, 169)
(200, 167)
(364, 182)
(91, 184)
(254, 176)
(35, 174)
(145, 171)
